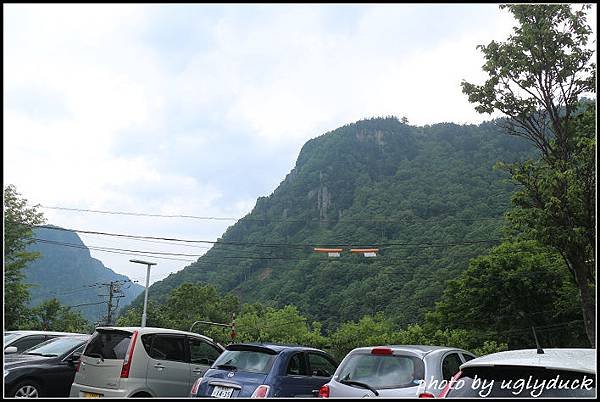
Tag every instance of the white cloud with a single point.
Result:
(98, 114)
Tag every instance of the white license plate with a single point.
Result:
(222, 392)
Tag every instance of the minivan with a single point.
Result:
(142, 362)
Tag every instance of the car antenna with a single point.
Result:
(540, 351)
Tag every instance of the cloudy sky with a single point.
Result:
(199, 109)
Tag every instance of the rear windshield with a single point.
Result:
(55, 346)
(383, 371)
(108, 345)
(524, 382)
(245, 360)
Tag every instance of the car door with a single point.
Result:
(167, 370)
(61, 375)
(295, 381)
(321, 368)
(202, 356)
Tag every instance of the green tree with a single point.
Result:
(18, 223)
(502, 294)
(258, 323)
(53, 316)
(537, 78)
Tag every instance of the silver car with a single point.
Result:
(395, 371)
(135, 362)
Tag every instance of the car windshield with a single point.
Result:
(523, 382)
(245, 360)
(55, 346)
(382, 371)
(10, 336)
(108, 344)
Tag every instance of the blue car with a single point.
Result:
(266, 370)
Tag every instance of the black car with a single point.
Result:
(47, 369)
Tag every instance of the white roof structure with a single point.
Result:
(581, 360)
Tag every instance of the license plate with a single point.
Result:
(91, 395)
(222, 392)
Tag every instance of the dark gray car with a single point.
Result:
(395, 371)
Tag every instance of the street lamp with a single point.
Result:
(147, 284)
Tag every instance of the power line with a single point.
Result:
(235, 257)
(380, 245)
(251, 219)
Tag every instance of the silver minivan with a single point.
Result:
(136, 362)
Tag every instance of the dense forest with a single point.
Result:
(427, 197)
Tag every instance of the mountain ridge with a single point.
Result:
(375, 181)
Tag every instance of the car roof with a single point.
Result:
(29, 332)
(277, 347)
(153, 330)
(420, 350)
(583, 360)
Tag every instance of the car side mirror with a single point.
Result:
(74, 357)
(10, 350)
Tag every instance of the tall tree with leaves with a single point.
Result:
(537, 78)
(18, 233)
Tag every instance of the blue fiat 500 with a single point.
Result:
(266, 370)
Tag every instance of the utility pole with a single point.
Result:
(114, 292)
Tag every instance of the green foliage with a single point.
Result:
(258, 323)
(537, 78)
(67, 273)
(52, 316)
(18, 221)
(376, 181)
(185, 305)
(502, 294)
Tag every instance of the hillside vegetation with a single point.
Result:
(66, 273)
(428, 197)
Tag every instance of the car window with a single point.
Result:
(27, 342)
(522, 382)
(168, 347)
(450, 365)
(10, 336)
(296, 365)
(468, 357)
(55, 346)
(201, 352)
(109, 344)
(320, 366)
(383, 371)
(246, 360)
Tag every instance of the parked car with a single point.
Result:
(555, 373)
(134, 362)
(46, 369)
(266, 370)
(394, 371)
(18, 341)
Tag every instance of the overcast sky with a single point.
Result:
(200, 109)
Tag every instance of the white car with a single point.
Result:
(528, 373)
(134, 362)
(18, 341)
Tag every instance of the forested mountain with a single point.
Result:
(427, 197)
(69, 273)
